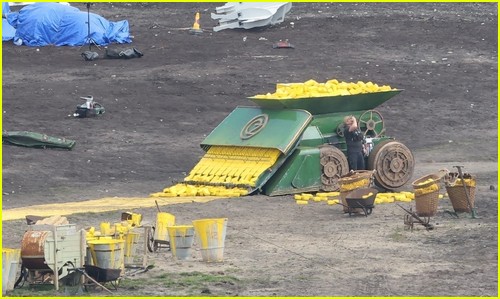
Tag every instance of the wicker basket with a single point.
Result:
(457, 194)
(427, 204)
(351, 178)
(355, 177)
(435, 179)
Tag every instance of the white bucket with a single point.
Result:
(211, 235)
(10, 265)
(181, 239)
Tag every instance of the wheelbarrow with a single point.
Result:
(362, 198)
(100, 276)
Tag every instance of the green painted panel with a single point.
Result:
(258, 127)
(322, 105)
(307, 174)
(301, 172)
(312, 137)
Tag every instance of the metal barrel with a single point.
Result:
(181, 240)
(33, 250)
(107, 254)
(211, 235)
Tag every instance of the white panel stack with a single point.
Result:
(250, 15)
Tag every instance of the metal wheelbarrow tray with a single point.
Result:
(355, 200)
(103, 276)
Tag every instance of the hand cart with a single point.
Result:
(362, 198)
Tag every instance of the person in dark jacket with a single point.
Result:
(354, 141)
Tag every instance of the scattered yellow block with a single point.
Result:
(306, 196)
(367, 195)
(328, 194)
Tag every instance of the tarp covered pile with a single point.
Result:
(8, 31)
(42, 24)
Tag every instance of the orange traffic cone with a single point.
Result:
(196, 26)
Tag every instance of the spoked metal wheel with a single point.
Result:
(340, 129)
(371, 123)
(393, 162)
(333, 166)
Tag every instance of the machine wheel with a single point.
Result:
(371, 123)
(333, 165)
(393, 162)
(152, 245)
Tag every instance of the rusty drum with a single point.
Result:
(33, 250)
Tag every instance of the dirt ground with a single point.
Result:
(161, 106)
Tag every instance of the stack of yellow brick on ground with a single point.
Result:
(224, 171)
(332, 197)
(329, 197)
(390, 197)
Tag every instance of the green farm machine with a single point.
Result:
(291, 146)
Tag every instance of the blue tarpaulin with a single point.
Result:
(5, 8)
(42, 24)
(8, 31)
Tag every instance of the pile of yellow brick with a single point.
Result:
(330, 88)
(333, 198)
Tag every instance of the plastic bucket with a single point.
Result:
(162, 221)
(107, 254)
(211, 234)
(181, 240)
(10, 265)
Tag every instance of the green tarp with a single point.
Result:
(36, 140)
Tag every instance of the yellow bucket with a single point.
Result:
(162, 221)
(136, 219)
(107, 254)
(10, 265)
(211, 234)
(105, 228)
(181, 240)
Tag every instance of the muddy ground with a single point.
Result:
(161, 106)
